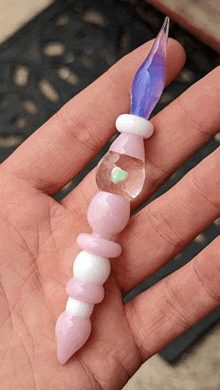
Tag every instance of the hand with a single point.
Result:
(36, 233)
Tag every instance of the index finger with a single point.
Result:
(64, 145)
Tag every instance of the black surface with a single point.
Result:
(91, 37)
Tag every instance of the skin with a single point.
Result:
(38, 235)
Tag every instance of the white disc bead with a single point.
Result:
(79, 308)
(134, 124)
(91, 268)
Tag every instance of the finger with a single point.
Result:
(63, 146)
(162, 229)
(165, 311)
(180, 130)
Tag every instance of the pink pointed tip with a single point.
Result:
(62, 357)
(71, 333)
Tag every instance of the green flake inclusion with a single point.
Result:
(118, 174)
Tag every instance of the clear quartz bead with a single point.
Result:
(120, 174)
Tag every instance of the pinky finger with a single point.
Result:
(165, 311)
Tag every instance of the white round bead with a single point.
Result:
(91, 268)
(134, 124)
(79, 308)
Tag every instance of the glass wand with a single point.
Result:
(120, 177)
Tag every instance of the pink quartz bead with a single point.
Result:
(71, 333)
(98, 246)
(130, 144)
(108, 214)
(84, 291)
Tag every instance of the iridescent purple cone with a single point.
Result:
(149, 80)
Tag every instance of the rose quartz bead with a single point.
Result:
(98, 246)
(129, 144)
(108, 214)
(71, 333)
(84, 291)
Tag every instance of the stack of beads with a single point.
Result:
(120, 177)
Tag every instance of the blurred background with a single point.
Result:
(50, 51)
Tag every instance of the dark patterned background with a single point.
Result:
(62, 51)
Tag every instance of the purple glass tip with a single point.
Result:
(149, 80)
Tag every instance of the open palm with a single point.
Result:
(38, 236)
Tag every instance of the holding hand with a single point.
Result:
(38, 235)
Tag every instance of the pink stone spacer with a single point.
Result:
(71, 333)
(85, 291)
(98, 246)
